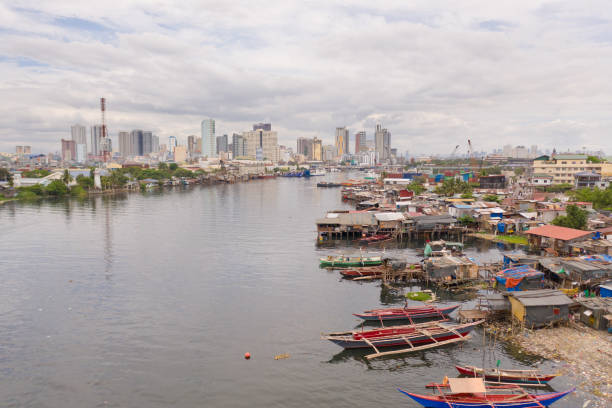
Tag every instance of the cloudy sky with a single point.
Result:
(435, 73)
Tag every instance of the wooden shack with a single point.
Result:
(559, 239)
(447, 268)
(537, 308)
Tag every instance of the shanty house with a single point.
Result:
(520, 278)
(557, 238)
(596, 312)
(451, 268)
(536, 308)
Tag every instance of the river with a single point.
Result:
(152, 299)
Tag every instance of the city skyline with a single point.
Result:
(451, 71)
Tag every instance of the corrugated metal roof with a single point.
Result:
(562, 233)
(389, 216)
(542, 297)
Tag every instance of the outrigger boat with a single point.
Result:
(416, 336)
(328, 184)
(346, 261)
(530, 377)
(406, 313)
(375, 238)
(369, 271)
(472, 393)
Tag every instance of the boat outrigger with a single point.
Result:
(346, 261)
(416, 336)
(472, 393)
(407, 313)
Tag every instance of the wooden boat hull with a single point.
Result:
(398, 336)
(351, 262)
(406, 313)
(488, 401)
(526, 378)
(375, 238)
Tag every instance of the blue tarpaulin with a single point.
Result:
(512, 278)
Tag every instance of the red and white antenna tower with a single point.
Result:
(104, 142)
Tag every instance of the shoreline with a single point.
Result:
(586, 352)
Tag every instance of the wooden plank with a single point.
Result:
(417, 348)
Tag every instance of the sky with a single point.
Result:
(435, 73)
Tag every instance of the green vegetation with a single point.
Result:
(78, 191)
(37, 173)
(513, 239)
(466, 219)
(415, 187)
(595, 159)
(490, 171)
(519, 171)
(559, 188)
(6, 175)
(492, 198)
(601, 199)
(576, 218)
(452, 186)
(467, 195)
(419, 296)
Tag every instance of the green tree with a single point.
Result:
(466, 219)
(594, 159)
(181, 172)
(492, 198)
(85, 182)
(173, 166)
(66, 177)
(559, 188)
(6, 175)
(576, 218)
(162, 166)
(415, 187)
(452, 186)
(57, 188)
(36, 173)
(519, 171)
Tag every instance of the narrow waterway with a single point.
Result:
(152, 299)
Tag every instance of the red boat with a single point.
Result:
(375, 238)
(407, 313)
(533, 377)
(374, 271)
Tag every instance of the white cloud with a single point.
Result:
(434, 73)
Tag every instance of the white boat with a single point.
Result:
(318, 172)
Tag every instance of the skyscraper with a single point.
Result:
(68, 150)
(137, 142)
(317, 149)
(171, 144)
(342, 140)
(125, 144)
(360, 142)
(191, 143)
(382, 140)
(209, 141)
(78, 133)
(147, 142)
(222, 144)
(238, 146)
(304, 147)
(95, 138)
(265, 140)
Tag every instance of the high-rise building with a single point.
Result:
(382, 141)
(263, 126)
(267, 140)
(95, 137)
(21, 150)
(209, 141)
(171, 144)
(342, 140)
(137, 143)
(329, 153)
(147, 142)
(198, 145)
(239, 148)
(305, 147)
(191, 143)
(221, 144)
(68, 150)
(317, 149)
(78, 133)
(360, 142)
(81, 152)
(125, 144)
(155, 144)
(507, 151)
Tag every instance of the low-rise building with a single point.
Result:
(564, 167)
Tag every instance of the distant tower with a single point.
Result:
(105, 145)
(209, 141)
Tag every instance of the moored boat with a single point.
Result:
(486, 399)
(507, 376)
(412, 335)
(347, 261)
(406, 313)
(328, 184)
(375, 238)
(361, 272)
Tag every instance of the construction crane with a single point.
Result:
(472, 158)
(454, 151)
(104, 140)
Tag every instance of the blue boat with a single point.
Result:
(486, 400)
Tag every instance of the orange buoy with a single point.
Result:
(247, 355)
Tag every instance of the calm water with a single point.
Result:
(151, 300)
